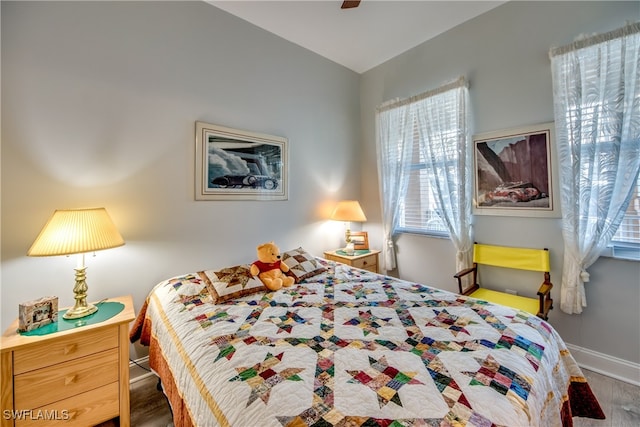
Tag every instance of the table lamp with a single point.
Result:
(348, 211)
(77, 231)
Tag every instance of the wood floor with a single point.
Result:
(149, 407)
(620, 402)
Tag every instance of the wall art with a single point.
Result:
(232, 164)
(513, 172)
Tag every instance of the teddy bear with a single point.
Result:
(269, 268)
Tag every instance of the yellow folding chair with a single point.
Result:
(514, 258)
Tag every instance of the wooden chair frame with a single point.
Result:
(545, 302)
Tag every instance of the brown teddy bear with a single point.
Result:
(269, 268)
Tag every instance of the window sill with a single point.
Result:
(433, 234)
(627, 253)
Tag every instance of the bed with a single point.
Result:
(348, 347)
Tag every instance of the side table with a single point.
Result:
(365, 259)
(74, 377)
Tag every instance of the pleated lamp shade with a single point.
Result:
(76, 231)
(348, 210)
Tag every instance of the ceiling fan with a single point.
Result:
(349, 4)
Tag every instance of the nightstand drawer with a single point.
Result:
(63, 349)
(78, 411)
(51, 384)
(367, 263)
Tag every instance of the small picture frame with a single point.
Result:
(360, 240)
(37, 313)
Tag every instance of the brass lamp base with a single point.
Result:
(81, 308)
(347, 234)
(348, 249)
(78, 312)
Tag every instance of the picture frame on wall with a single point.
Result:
(513, 172)
(233, 164)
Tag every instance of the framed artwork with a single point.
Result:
(232, 164)
(360, 240)
(37, 313)
(513, 172)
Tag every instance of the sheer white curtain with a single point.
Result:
(394, 157)
(437, 122)
(446, 147)
(596, 90)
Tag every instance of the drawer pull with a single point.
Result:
(70, 349)
(364, 263)
(70, 379)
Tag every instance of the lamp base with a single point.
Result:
(81, 308)
(79, 311)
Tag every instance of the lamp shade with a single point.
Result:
(76, 231)
(348, 210)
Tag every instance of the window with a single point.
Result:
(626, 241)
(418, 209)
(596, 97)
(423, 162)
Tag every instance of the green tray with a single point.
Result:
(106, 310)
(356, 252)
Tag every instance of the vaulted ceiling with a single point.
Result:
(359, 38)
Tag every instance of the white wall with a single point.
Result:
(504, 55)
(100, 101)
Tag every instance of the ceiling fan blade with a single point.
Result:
(349, 4)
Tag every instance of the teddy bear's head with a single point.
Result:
(268, 253)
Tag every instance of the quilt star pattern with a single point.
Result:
(384, 379)
(353, 348)
(262, 377)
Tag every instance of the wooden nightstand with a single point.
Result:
(367, 261)
(78, 377)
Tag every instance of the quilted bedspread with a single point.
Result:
(353, 348)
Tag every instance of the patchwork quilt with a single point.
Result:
(347, 347)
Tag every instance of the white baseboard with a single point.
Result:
(138, 369)
(604, 364)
